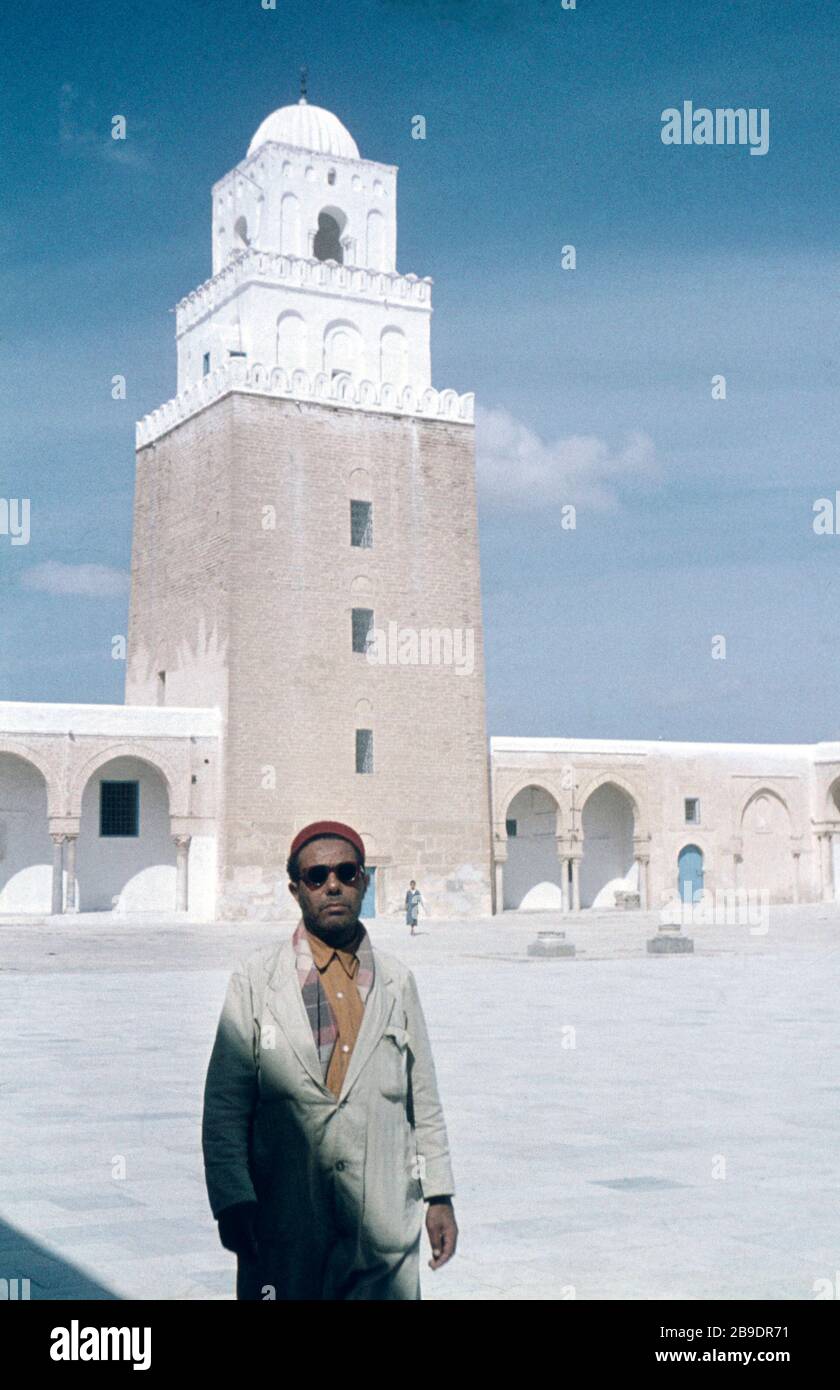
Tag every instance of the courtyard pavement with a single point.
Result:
(622, 1126)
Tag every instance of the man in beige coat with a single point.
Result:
(323, 1131)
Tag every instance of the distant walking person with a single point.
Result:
(413, 899)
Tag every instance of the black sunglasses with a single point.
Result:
(346, 872)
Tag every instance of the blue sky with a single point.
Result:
(694, 516)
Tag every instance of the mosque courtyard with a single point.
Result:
(622, 1125)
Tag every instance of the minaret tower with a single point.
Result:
(305, 549)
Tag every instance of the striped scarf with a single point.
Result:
(315, 1001)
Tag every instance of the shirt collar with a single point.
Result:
(347, 955)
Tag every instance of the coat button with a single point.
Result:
(340, 1166)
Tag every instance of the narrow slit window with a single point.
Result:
(361, 524)
(362, 628)
(364, 750)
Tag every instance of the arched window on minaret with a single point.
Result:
(393, 356)
(290, 225)
(291, 342)
(327, 243)
(342, 350)
(375, 241)
(240, 232)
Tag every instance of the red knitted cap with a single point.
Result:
(319, 828)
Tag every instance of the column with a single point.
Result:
(500, 855)
(71, 904)
(576, 883)
(826, 871)
(182, 862)
(564, 881)
(499, 869)
(561, 846)
(796, 876)
(642, 861)
(57, 873)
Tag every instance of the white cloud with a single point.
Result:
(93, 581)
(517, 468)
(83, 130)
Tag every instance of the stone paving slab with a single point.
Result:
(622, 1126)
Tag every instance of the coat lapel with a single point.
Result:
(284, 1002)
(378, 1009)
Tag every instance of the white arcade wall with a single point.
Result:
(123, 873)
(26, 850)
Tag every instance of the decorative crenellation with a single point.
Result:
(274, 381)
(328, 277)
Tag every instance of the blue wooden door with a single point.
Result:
(368, 907)
(690, 873)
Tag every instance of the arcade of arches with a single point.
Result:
(91, 824)
(664, 822)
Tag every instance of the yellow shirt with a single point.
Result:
(338, 968)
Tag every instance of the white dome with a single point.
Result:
(308, 128)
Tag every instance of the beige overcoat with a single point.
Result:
(339, 1180)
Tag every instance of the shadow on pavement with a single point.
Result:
(49, 1275)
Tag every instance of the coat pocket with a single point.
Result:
(392, 1054)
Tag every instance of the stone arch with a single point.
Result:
(49, 773)
(342, 351)
(130, 868)
(832, 799)
(360, 484)
(393, 356)
(513, 790)
(609, 818)
(753, 795)
(177, 793)
(375, 241)
(26, 851)
(532, 871)
(600, 780)
(291, 341)
(290, 225)
(764, 829)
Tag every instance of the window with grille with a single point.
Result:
(119, 808)
(510, 829)
(362, 627)
(692, 810)
(364, 750)
(361, 524)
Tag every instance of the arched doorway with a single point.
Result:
(532, 870)
(608, 864)
(767, 862)
(126, 854)
(26, 850)
(690, 873)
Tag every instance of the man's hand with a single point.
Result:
(237, 1229)
(442, 1231)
